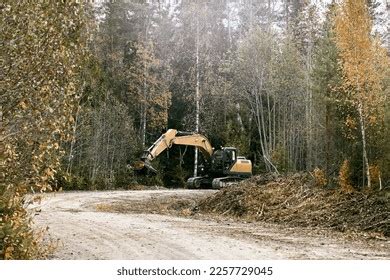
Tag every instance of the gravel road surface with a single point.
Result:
(88, 225)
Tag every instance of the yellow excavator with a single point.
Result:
(221, 167)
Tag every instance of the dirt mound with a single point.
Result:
(294, 200)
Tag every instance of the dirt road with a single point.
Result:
(129, 225)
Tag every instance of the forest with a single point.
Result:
(295, 85)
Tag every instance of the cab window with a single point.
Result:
(233, 156)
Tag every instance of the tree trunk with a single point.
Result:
(197, 94)
(73, 142)
(309, 117)
(327, 138)
(365, 158)
(239, 119)
(258, 123)
(144, 107)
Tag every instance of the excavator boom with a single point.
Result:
(174, 137)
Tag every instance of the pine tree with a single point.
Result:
(326, 78)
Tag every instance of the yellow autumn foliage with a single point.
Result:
(344, 177)
(375, 173)
(39, 92)
(148, 87)
(363, 63)
(320, 177)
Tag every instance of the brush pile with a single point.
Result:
(295, 200)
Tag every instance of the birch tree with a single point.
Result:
(360, 58)
(253, 70)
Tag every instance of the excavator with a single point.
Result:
(221, 168)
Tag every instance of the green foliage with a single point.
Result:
(327, 100)
(68, 182)
(176, 165)
(237, 137)
(280, 158)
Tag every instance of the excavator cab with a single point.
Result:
(229, 157)
(222, 160)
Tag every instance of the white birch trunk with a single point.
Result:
(144, 110)
(73, 142)
(365, 158)
(239, 119)
(197, 95)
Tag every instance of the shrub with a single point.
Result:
(320, 177)
(344, 177)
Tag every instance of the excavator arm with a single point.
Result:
(174, 137)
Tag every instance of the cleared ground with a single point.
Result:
(158, 224)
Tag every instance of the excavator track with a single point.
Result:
(217, 183)
(223, 182)
(197, 182)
